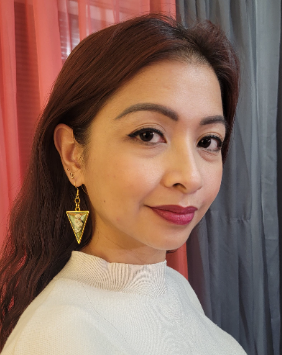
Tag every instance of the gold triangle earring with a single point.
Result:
(77, 218)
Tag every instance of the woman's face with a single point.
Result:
(154, 150)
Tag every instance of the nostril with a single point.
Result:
(188, 184)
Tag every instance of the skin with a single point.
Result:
(125, 176)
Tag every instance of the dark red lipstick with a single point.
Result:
(176, 214)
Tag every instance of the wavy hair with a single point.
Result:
(40, 240)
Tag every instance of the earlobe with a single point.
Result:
(70, 152)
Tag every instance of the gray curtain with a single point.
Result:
(233, 254)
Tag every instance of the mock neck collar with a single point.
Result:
(148, 279)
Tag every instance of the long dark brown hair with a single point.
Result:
(40, 239)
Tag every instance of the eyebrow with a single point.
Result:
(169, 113)
(150, 107)
(214, 119)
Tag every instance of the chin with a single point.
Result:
(174, 242)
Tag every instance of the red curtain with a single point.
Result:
(35, 39)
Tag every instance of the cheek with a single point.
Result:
(212, 181)
(122, 183)
(134, 177)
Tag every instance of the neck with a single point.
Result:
(114, 253)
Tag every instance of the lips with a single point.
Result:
(176, 214)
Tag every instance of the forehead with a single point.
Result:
(184, 87)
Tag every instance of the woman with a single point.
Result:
(134, 134)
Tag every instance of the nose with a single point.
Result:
(183, 170)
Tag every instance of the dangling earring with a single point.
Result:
(77, 218)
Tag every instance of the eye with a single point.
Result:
(148, 135)
(211, 143)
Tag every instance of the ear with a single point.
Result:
(70, 152)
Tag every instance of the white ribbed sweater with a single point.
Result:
(100, 308)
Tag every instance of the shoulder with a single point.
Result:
(221, 341)
(56, 322)
(178, 281)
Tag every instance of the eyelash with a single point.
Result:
(144, 130)
(154, 130)
(210, 137)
